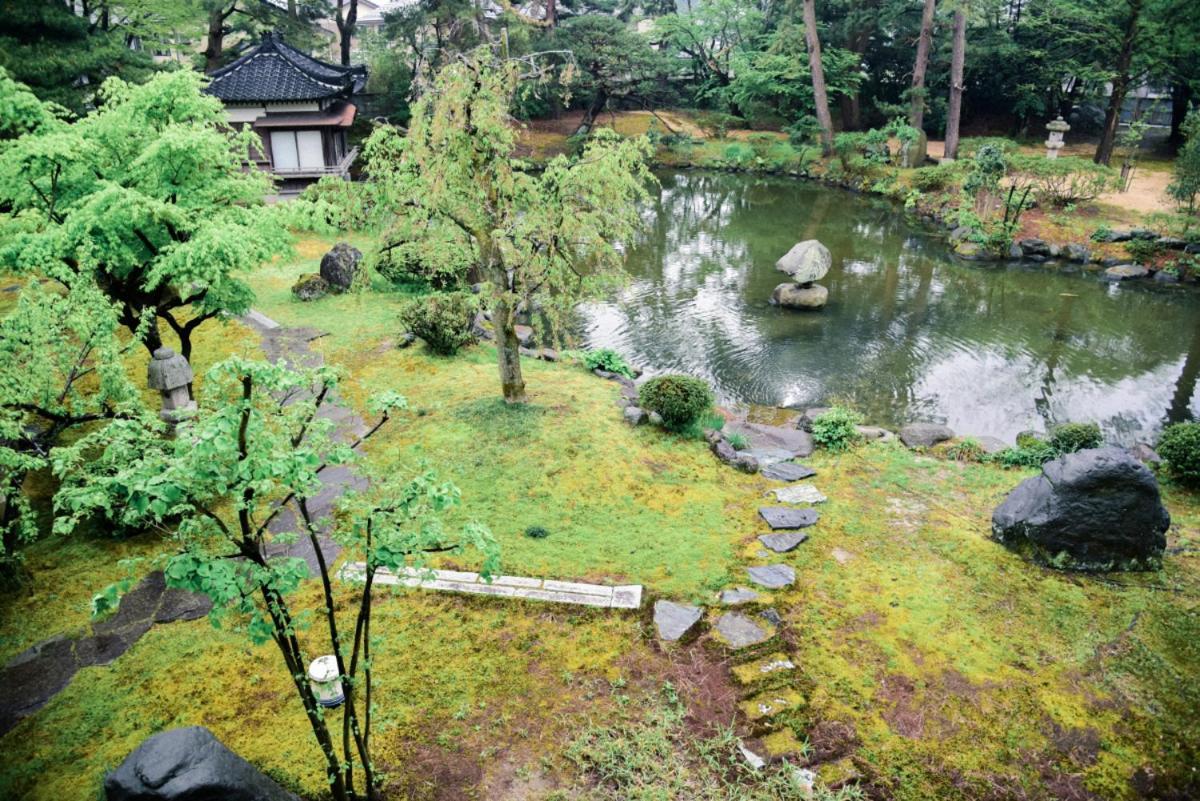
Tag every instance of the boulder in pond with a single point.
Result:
(310, 286)
(924, 435)
(806, 262)
(1096, 509)
(797, 296)
(189, 764)
(340, 266)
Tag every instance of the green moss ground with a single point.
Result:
(962, 668)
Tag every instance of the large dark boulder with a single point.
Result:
(340, 265)
(189, 765)
(1096, 509)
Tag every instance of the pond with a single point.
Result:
(910, 333)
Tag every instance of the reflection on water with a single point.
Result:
(909, 333)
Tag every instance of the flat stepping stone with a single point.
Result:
(737, 596)
(788, 471)
(773, 577)
(769, 456)
(781, 517)
(675, 620)
(781, 438)
(783, 542)
(842, 557)
(799, 493)
(739, 631)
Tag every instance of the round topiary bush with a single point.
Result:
(679, 399)
(1180, 448)
(537, 533)
(442, 319)
(1071, 437)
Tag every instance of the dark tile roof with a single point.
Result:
(274, 71)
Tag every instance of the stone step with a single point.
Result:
(764, 669)
(738, 631)
(770, 703)
(624, 596)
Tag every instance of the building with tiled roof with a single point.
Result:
(299, 106)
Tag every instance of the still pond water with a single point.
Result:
(910, 333)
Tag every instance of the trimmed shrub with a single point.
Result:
(442, 320)
(1180, 448)
(607, 360)
(967, 450)
(1071, 437)
(1033, 453)
(537, 533)
(1065, 180)
(837, 429)
(679, 399)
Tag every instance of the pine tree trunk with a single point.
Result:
(593, 111)
(820, 96)
(1120, 86)
(551, 13)
(916, 110)
(958, 59)
(215, 46)
(345, 26)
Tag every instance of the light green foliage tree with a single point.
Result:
(238, 481)
(1185, 185)
(61, 368)
(714, 36)
(146, 197)
(547, 238)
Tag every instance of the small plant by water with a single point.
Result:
(679, 399)
(607, 360)
(837, 429)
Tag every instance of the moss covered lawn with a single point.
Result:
(962, 671)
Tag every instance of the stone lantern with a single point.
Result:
(171, 374)
(1055, 143)
(326, 685)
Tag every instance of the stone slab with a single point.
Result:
(782, 542)
(625, 596)
(773, 577)
(782, 517)
(788, 471)
(738, 596)
(739, 631)
(673, 620)
(799, 493)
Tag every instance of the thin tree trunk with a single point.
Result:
(345, 26)
(820, 97)
(1181, 96)
(593, 111)
(1112, 119)
(508, 353)
(916, 110)
(958, 58)
(551, 13)
(851, 104)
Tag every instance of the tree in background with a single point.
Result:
(916, 110)
(612, 63)
(62, 57)
(820, 96)
(957, 64)
(346, 20)
(1130, 24)
(147, 198)
(547, 238)
(257, 449)
(1185, 185)
(713, 35)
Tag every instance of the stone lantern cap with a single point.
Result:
(168, 370)
(1058, 125)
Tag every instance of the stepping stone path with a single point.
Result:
(675, 620)
(628, 596)
(782, 517)
(39, 673)
(799, 493)
(788, 471)
(738, 596)
(773, 577)
(739, 631)
(783, 542)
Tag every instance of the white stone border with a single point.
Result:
(625, 596)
